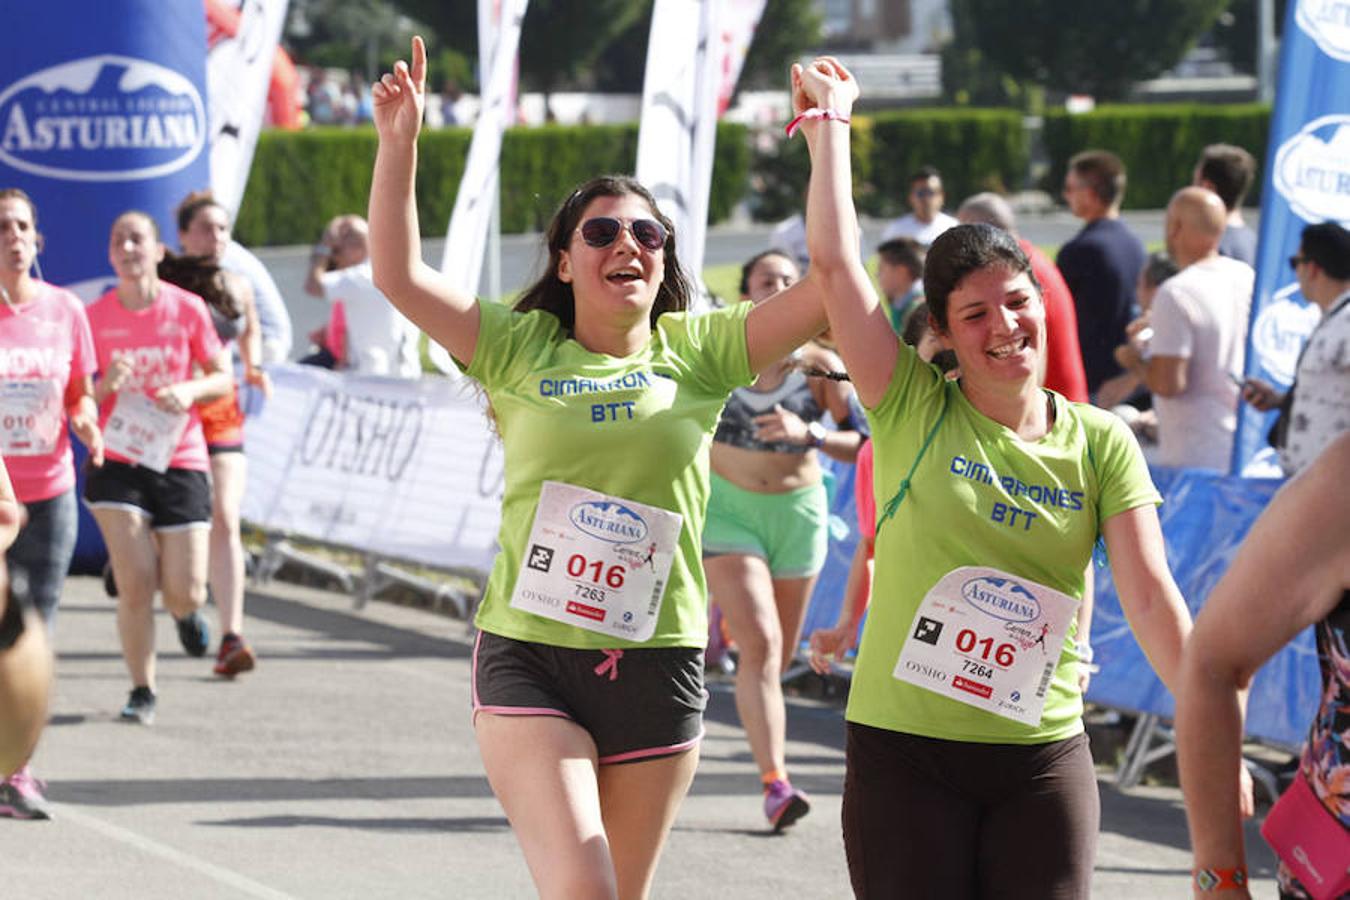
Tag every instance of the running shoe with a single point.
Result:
(784, 804)
(235, 656)
(21, 796)
(194, 634)
(140, 706)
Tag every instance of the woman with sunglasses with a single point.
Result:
(46, 369)
(968, 772)
(767, 531)
(587, 681)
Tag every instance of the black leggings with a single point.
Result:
(931, 818)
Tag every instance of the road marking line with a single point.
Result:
(140, 842)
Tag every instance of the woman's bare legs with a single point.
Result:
(587, 831)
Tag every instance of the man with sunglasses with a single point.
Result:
(1317, 407)
(926, 220)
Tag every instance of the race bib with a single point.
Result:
(988, 639)
(597, 562)
(30, 417)
(142, 432)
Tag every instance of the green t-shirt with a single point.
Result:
(982, 497)
(637, 427)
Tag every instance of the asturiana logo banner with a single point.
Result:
(102, 118)
(1327, 22)
(608, 521)
(1001, 598)
(1312, 170)
(1280, 330)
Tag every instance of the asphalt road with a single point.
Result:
(345, 767)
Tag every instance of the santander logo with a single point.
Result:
(102, 118)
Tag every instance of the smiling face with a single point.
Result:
(208, 234)
(996, 325)
(618, 282)
(772, 273)
(134, 248)
(18, 235)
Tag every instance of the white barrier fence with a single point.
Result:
(393, 469)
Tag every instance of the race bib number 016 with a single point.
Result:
(30, 417)
(142, 432)
(988, 639)
(597, 562)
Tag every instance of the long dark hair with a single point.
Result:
(553, 295)
(202, 277)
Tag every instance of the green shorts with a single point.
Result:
(789, 531)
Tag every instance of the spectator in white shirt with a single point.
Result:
(1199, 320)
(375, 337)
(926, 219)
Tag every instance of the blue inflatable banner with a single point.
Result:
(1307, 181)
(102, 109)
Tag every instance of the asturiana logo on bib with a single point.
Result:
(102, 118)
(608, 521)
(1312, 170)
(1280, 331)
(1327, 22)
(1001, 598)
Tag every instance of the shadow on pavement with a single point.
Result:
(137, 792)
(465, 825)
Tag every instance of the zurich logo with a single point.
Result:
(1327, 22)
(102, 118)
(1281, 329)
(1001, 598)
(1312, 170)
(608, 521)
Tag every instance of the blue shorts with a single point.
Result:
(637, 704)
(789, 531)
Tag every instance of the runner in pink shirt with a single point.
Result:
(152, 498)
(46, 364)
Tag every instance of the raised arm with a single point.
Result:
(783, 323)
(1290, 572)
(857, 320)
(448, 315)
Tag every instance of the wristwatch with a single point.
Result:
(815, 434)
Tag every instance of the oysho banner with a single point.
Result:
(1307, 181)
(401, 468)
(102, 109)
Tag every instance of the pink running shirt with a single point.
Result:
(162, 341)
(48, 340)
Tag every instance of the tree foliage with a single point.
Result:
(1071, 47)
(602, 44)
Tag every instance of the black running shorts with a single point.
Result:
(636, 704)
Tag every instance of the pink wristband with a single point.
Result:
(829, 115)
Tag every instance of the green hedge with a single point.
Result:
(1159, 144)
(302, 179)
(974, 149)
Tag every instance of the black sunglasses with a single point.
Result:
(1297, 260)
(602, 231)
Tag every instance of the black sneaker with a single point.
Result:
(194, 634)
(140, 706)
